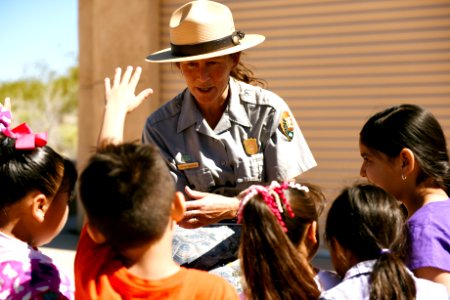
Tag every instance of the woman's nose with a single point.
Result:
(203, 73)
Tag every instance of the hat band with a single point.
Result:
(207, 47)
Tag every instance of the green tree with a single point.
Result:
(47, 104)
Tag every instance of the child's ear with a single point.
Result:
(178, 207)
(311, 233)
(40, 205)
(95, 234)
(311, 240)
(408, 162)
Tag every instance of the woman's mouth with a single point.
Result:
(204, 90)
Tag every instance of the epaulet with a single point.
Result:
(257, 95)
(167, 110)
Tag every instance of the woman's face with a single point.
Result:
(207, 79)
(380, 170)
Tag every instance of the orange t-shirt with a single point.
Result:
(99, 274)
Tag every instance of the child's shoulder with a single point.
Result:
(201, 277)
(326, 279)
(208, 286)
(431, 213)
(427, 289)
(33, 274)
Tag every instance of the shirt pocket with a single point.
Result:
(250, 168)
(199, 179)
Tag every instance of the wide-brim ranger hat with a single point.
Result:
(203, 29)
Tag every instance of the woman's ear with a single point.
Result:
(178, 207)
(95, 234)
(235, 57)
(408, 162)
(39, 206)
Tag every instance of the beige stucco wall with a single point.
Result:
(335, 64)
(114, 33)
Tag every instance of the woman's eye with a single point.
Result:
(191, 65)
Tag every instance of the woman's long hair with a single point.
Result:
(244, 73)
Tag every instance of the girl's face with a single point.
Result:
(207, 79)
(381, 170)
(55, 217)
(340, 258)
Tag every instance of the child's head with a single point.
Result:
(392, 138)
(366, 223)
(276, 244)
(35, 187)
(127, 193)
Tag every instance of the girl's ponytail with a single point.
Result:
(390, 279)
(368, 223)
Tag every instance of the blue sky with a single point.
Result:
(37, 34)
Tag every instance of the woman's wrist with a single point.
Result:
(235, 210)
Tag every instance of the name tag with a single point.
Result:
(185, 166)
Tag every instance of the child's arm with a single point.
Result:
(120, 99)
(7, 104)
(5, 114)
(434, 274)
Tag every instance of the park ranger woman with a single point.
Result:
(222, 133)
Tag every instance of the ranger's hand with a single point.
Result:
(207, 208)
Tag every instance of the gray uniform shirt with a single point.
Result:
(257, 140)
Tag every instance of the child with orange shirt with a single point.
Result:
(131, 208)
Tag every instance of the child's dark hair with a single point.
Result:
(410, 126)
(69, 179)
(22, 171)
(368, 222)
(272, 264)
(127, 192)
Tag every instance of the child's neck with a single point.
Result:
(423, 196)
(152, 261)
(15, 224)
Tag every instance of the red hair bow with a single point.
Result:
(25, 138)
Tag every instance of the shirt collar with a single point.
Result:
(237, 113)
(189, 114)
(362, 268)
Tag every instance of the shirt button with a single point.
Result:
(223, 163)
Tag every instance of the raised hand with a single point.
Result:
(122, 93)
(5, 114)
(6, 105)
(120, 99)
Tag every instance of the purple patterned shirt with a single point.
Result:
(26, 273)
